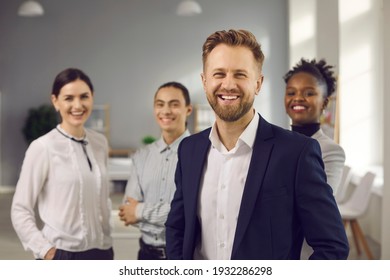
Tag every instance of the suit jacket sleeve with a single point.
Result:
(321, 221)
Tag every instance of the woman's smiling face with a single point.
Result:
(74, 103)
(305, 99)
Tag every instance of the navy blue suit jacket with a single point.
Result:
(285, 199)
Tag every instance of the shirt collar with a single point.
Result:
(247, 137)
(162, 146)
(71, 136)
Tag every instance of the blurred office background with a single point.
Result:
(130, 47)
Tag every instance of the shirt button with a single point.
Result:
(223, 187)
(167, 159)
(163, 179)
(222, 245)
(221, 216)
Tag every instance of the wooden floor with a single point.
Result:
(125, 238)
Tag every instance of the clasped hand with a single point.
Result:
(127, 211)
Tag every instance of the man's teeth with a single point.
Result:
(299, 107)
(165, 119)
(229, 97)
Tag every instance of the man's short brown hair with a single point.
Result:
(233, 38)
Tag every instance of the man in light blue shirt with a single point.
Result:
(151, 186)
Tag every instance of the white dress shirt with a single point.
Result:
(152, 183)
(73, 201)
(221, 192)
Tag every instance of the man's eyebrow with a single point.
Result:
(169, 101)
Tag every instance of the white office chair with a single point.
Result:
(355, 207)
(341, 192)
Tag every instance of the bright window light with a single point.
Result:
(302, 29)
(349, 9)
(356, 62)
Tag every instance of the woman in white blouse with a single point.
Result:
(64, 174)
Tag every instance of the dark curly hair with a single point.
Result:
(320, 70)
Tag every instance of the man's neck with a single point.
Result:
(229, 132)
(171, 136)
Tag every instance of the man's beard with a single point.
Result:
(229, 113)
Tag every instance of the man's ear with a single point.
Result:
(202, 76)
(189, 110)
(259, 83)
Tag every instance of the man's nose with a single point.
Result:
(166, 109)
(229, 83)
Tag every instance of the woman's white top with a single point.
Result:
(73, 202)
(333, 156)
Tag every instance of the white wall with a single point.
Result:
(361, 83)
(302, 30)
(386, 166)
(313, 30)
(362, 94)
(328, 31)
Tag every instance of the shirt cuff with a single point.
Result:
(139, 210)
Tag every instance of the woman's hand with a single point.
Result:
(50, 254)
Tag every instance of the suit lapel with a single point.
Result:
(260, 157)
(198, 160)
(197, 163)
